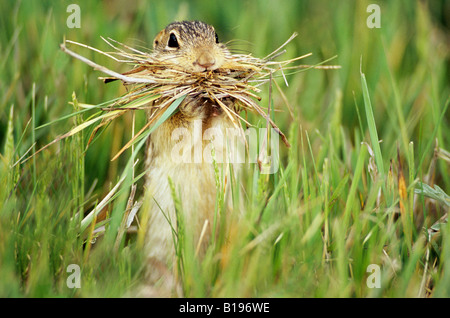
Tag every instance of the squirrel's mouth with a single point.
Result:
(202, 69)
(205, 61)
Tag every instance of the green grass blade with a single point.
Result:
(372, 126)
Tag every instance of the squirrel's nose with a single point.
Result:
(206, 60)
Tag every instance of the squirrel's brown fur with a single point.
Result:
(194, 47)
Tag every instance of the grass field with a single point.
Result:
(343, 206)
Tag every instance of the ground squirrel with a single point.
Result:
(194, 47)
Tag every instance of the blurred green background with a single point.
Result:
(406, 63)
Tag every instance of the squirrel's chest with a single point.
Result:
(183, 150)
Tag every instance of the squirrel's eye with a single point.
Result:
(217, 38)
(173, 42)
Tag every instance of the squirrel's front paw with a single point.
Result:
(192, 106)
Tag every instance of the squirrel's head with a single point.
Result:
(191, 45)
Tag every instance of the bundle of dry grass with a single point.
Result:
(155, 84)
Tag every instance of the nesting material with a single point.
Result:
(154, 84)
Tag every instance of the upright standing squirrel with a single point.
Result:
(194, 47)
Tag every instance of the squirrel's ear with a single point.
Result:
(158, 38)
